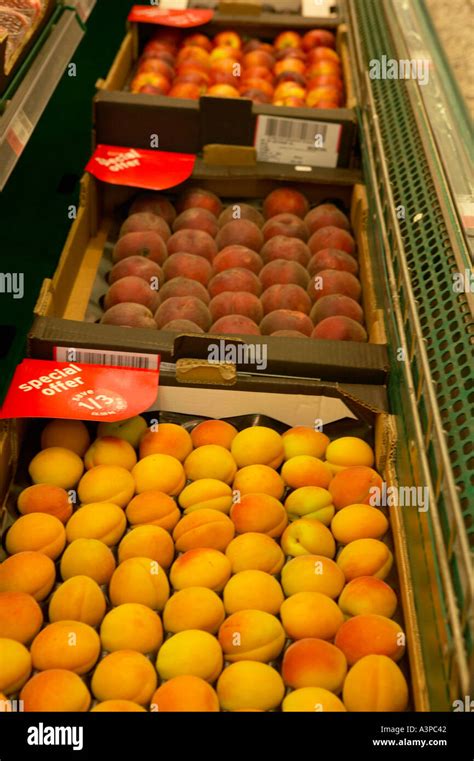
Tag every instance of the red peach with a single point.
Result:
(255, 44)
(157, 67)
(289, 334)
(318, 38)
(286, 319)
(287, 40)
(332, 237)
(323, 54)
(323, 94)
(289, 90)
(223, 91)
(236, 302)
(195, 242)
(258, 58)
(290, 101)
(336, 305)
(325, 215)
(196, 219)
(258, 72)
(339, 328)
(182, 326)
(290, 53)
(200, 40)
(184, 286)
(139, 267)
(257, 96)
(148, 244)
(192, 76)
(282, 271)
(143, 220)
(323, 67)
(325, 79)
(183, 308)
(285, 201)
(285, 224)
(235, 323)
(327, 282)
(193, 53)
(282, 247)
(205, 199)
(161, 54)
(193, 66)
(223, 78)
(257, 84)
(291, 76)
(332, 259)
(154, 203)
(237, 256)
(134, 290)
(151, 82)
(238, 211)
(241, 232)
(228, 37)
(188, 90)
(127, 315)
(286, 297)
(235, 279)
(189, 266)
(224, 53)
(289, 64)
(228, 66)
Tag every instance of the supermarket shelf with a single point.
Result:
(28, 103)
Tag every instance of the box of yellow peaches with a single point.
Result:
(176, 563)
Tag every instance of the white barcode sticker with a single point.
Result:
(19, 132)
(296, 141)
(108, 358)
(318, 8)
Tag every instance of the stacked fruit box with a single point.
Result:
(20, 23)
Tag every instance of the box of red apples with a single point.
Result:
(272, 261)
(288, 93)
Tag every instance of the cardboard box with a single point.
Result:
(63, 302)
(184, 125)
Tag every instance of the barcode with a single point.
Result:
(295, 129)
(107, 358)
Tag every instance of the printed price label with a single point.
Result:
(107, 358)
(167, 16)
(296, 141)
(19, 132)
(76, 391)
(318, 8)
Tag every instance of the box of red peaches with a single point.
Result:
(280, 91)
(232, 256)
(226, 563)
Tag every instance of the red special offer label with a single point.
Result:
(137, 168)
(184, 19)
(44, 388)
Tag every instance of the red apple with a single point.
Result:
(324, 93)
(323, 54)
(200, 40)
(186, 90)
(229, 38)
(318, 38)
(223, 91)
(258, 58)
(287, 40)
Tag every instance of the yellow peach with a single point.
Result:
(254, 590)
(206, 493)
(365, 557)
(99, 520)
(88, 557)
(190, 653)
(131, 626)
(106, 483)
(358, 522)
(311, 614)
(308, 699)
(147, 542)
(310, 502)
(375, 683)
(355, 485)
(314, 663)
(69, 645)
(193, 608)
(203, 528)
(304, 470)
(57, 466)
(250, 685)
(45, 498)
(258, 445)
(124, 675)
(70, 434)
(56, 690)
(159, 472)
(259, 513)
(213, 432)
(110, 450)
(118, 706)
(185, 693)
(251, 635)
(312, 573)
(308, 537)
(259, 478)
(253, 551)
(203, 567)
(367, 594)
(30, 572)
(15, 665)
(78, 599)
(20, 617)
(153, 508)
(302, 440)
(37, 532)
(130, 430)
(348, 451)
(139, 580)
(210, 461)
(370, 635)
(168, 439)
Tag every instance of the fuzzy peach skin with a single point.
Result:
(88, 557)
(55, 690)
(193, 608)
(370, 635)
(124, 675)
(110, 450)
(203, 567)
(309, 699)
(185, 693)
(311, 614)
(57, 466)
(312, 573)
(20, 617)
(254, 590)
(206, 493)
(118, 706)
(255, 552)
(45, 498)
(365, 557)
(78, 599)
(131, 626)
(355, 485)
(259, 513)
(258, 445)
(106, 483)
(37, 532)
(307, 536)
(358, 522)
(139, 580)
(311, 502)
(213, 432)
(154, 508)
(314, 663)
(69, 645)
(99, 520)
(347, 452)
(251, 635)
(192, 652)
(367, 594)
(169, 439)
(159, 472)
(203, 528)
(304, 470)
(130, 430)
(147, 542)
(260, 479)
(250, 685)
(30, 572)
(210, 461)
(375, 684)
(15, 665)
(302, 440)
(70, 434)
